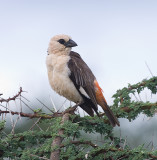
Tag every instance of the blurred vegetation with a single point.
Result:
(37, 142)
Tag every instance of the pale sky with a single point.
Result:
(115, 38)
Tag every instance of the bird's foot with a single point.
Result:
(72, 109)
(76, 105)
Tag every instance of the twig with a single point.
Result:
(125, 156)
(25, 98)
(15, 124)
(45, 105)
(149, 69)
(140, 97)
(12, 98)
(146, 106)
(11, 119)
(38, 115)
(39, 127)
(39, 157)
(127, 109)
(62, 105)
(35, 115)
(3, 106)
(152, 156)
(20, 105)
(17, 108)
(79, 142)
(152, 147)
(35, 123)
(125, 143)
(136, 97)
(53, 104)
(26, 105)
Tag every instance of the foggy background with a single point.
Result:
(115, 38)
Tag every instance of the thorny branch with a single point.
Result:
(115, 150)
(144, 107)
(38, 115)
(58, 139)
(30, 115)
(112, 149)
(80, 142)
(127, 109)
(11, 98)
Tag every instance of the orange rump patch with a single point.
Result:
(99, 93)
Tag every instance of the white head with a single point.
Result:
(61, 45)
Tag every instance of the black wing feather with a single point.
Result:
(82, 76)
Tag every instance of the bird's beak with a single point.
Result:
(70, 43)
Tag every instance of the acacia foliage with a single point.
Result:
(37, 144)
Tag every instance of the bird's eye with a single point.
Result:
(61, 41)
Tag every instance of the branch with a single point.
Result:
(144, 83)
(35, 115)
(12, 98)
(144, 107)
(128, 109)
(152, 156)
(39, 115)
(81, 142)
(103, 150)
(123, 96)
(55, 154)
(39, 157)
(126, 154)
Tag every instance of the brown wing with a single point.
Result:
(82, 76)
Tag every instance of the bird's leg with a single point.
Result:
(77, 104)
(72, 109)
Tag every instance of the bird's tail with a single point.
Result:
(102, 102)
(112, 118)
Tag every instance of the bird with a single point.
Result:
(71, 77)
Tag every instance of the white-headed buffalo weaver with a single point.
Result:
(70, 77)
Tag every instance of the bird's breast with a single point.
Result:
(58, 74)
